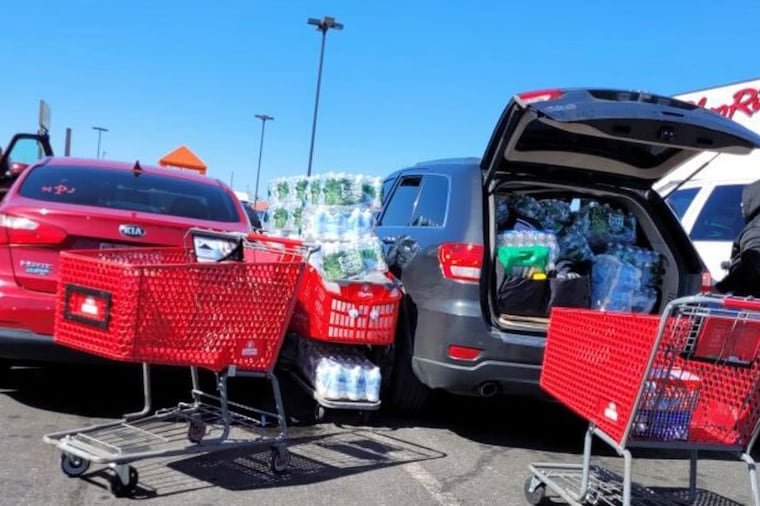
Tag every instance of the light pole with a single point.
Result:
(100, 132)
(323, 25)
(264, 118)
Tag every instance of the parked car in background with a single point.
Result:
(22, 151)
(62, 204)
(710, 212)
(706, 192)
(578, 146)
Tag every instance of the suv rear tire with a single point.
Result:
(407, 394)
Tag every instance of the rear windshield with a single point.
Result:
(117, 189)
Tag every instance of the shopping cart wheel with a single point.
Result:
(280, 459)
(73, 466)
(121, 489)
(196, 431)
(535, 491)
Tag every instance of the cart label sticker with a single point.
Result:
(611, 412)
(250, 349)
(87, 305)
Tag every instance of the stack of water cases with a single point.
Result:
(348, 302)
(336, 211)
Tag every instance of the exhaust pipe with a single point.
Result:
(488, 389)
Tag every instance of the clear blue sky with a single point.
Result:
(404, 81)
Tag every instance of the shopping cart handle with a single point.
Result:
(741, 303)
(292, 243)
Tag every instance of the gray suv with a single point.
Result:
(440, 222)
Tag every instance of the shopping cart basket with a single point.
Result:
(351, 312)
(688, 380)
(177, 306)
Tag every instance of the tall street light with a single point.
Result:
(323, 25)
(100, 132)
(264, 118)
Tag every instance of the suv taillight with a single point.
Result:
(461, 261)
(20, 230)
(707, 282)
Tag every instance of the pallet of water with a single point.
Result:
(339, 372)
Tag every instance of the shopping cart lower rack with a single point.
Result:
(689, 380)
(169, 306)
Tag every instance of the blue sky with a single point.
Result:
(404, 81)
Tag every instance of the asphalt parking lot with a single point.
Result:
(461, 452)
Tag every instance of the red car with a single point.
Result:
(67, 203)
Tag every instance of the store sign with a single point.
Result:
(745, 102)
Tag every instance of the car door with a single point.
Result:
(414, 215)
(23, 150)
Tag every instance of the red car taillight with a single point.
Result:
(20, 230)
(461, 261)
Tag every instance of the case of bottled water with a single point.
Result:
(339, 373)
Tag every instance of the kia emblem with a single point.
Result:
(131, 231)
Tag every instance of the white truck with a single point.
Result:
(706, 192)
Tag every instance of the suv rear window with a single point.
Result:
(721, 217)
(118, 189)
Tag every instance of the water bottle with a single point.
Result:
(373, 379)
(341, 381)
(334, 389)
(356, 383)
(322, 378)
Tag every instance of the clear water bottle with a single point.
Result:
(322, 378)
(356, 382)
(373, 379)
(335, 390)
(341, 382)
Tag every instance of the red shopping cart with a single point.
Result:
(347, 312)
(226, 312)
(687, 380)
(350, 313)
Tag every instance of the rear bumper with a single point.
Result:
(510, 362)
(22, 346)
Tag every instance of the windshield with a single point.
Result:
(117, 189)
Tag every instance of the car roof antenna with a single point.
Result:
(137, 170)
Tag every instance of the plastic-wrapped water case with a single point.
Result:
(339, 373)
(342, 189)
(371, 249)
(340, 261)
(649, 261)
(279, 191)
(573, 245)
(372, 190)
(608, 225)
(279, 217)
(526, 206)
(557, 214)
(528, 238)
(613, 284)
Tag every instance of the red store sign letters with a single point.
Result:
(746, 101)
